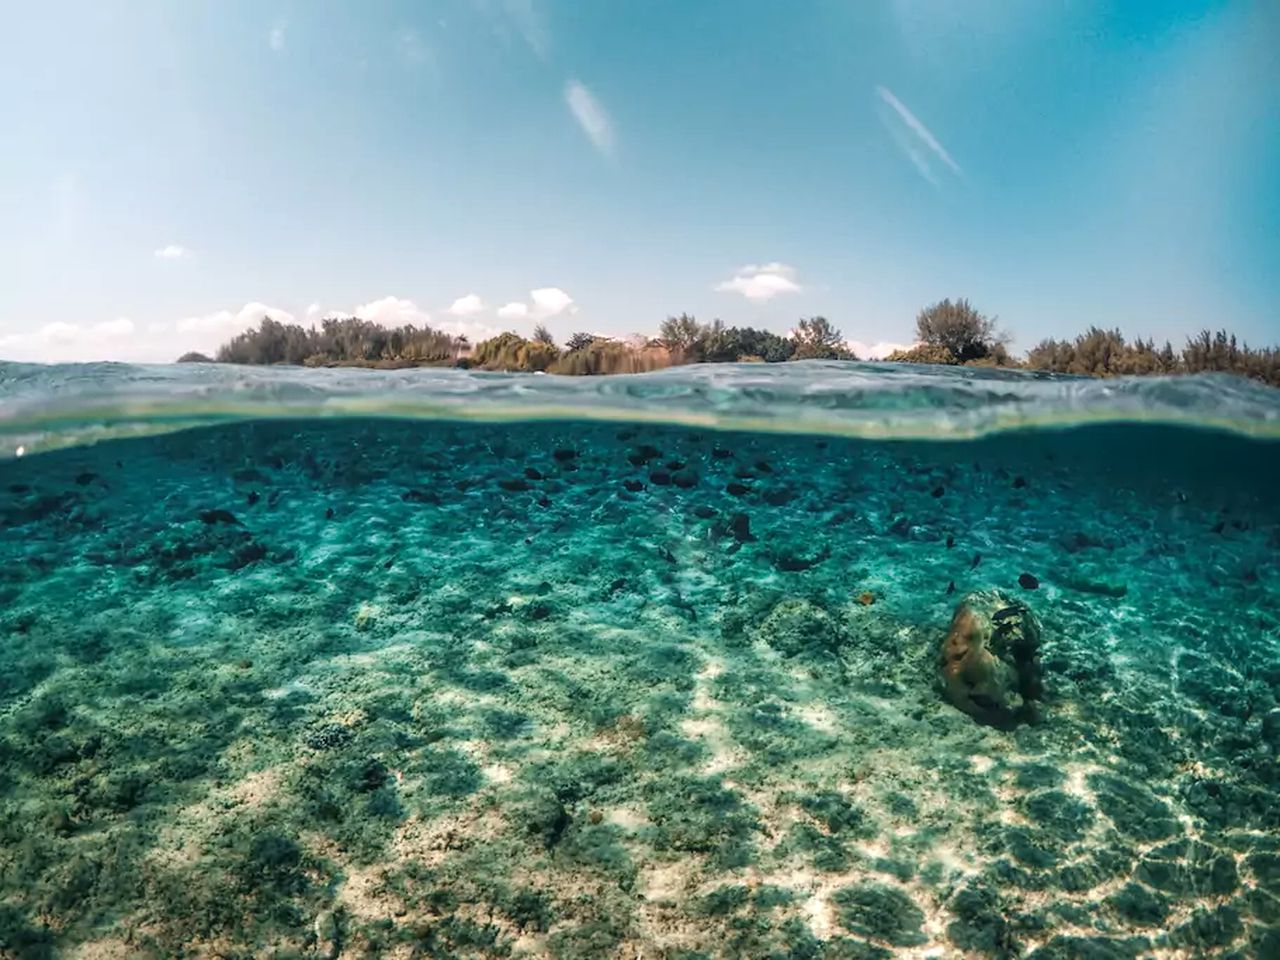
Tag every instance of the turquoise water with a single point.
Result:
(439, 664)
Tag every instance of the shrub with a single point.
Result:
(510, 351)
(924, 353)
(959, 328)
(815, 338)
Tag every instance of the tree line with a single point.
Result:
(947, 332)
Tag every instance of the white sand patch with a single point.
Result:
(669, 882)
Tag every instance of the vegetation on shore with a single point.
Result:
(948, 332)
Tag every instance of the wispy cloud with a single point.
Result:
(275, 39)
(173, 251)
(412, 49)
(591, 116)
(761, 282)
(911, 134)
(518, 16)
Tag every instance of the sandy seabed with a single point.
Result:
(383, 689)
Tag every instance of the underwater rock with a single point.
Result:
(989, 662)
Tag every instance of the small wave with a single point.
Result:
(47, 407)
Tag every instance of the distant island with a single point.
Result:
(948, 332)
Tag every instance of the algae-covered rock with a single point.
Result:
(989, 662)
(796, 626)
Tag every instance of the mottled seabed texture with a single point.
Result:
(612, 682)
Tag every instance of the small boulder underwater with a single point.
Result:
(830, 661)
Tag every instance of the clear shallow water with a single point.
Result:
(606, 682)
(48, 406)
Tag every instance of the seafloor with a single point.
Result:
(382, 689)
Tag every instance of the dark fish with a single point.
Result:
(1005, 613)
(1019, 482)
(86, 478)
(635, 486)
(565, 455)
(533, 474)
(737, 489)
(951, 541)
(217, 516)
(939, 491)
(517, 485)
(951, 588)
(643, 454)
(253, 497)
(977, 559)
(740, 527)
(1027, 582)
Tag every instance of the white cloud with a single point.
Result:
(763, 282)
(61, 342)
(173, 251)
(878, 350)
(120, 327)
(551, 302)
(910, 133)
(227, 323)
(467, 306)
(544, 303)
(275, 39)
(393, 312)
(591, 116)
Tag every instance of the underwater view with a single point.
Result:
(801, 661)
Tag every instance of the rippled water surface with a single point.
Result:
(442, 664)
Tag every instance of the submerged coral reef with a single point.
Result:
(378, 688)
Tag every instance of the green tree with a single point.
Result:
(966, 333)
(579, 341)
(816, 338)
(684, 336)
(543, 336)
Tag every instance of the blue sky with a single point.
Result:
(173, 170)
